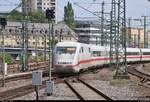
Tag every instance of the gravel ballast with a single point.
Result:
(100, 80)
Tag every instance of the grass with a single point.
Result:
(119, 82)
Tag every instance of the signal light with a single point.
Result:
(3, 22)
(50, 14)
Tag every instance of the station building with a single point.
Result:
(38, 34)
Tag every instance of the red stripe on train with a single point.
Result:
(100, 59)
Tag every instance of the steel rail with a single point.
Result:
(71, 87)
(137, 73)
(95, 90)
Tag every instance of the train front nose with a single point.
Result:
(64, 69)
(64, 59)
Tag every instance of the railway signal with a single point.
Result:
(3, 23)
(50, 14)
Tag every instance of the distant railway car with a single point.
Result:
(72, 57)
(145, 54)
(133, 54)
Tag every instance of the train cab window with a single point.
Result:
(65, 50)
(96, 53)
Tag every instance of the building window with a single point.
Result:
(18, 43)
(7, 36)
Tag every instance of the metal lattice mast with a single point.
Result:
(102, 25)
(24, 55)
(113, 30)
(129, 33)
(145, 33)
(120, 48)
(139, 38)
(118, 37)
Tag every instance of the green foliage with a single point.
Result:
(69, 15)
(15, 16)
(8, 58)
(55, 42)
(36, 16)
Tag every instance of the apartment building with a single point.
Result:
(90, 32)
(33, 5)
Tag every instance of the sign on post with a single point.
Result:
(37, 80)
(5, 69)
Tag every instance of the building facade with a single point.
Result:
(137, 37)
(90, 32)
(38, 34)
(42, 5)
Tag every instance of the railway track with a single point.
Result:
(85, 91)
(20, 91)
(15, 68)
(21, 76)
(144, 78)
(135, 72)
(24, 90)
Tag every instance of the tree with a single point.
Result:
(15, 16)
(36, 16)
(8, 58)
(69, 15)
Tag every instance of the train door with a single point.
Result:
(80, 57)
(140, 55)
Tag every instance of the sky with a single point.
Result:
(135, 8)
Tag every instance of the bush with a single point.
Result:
(8, 58)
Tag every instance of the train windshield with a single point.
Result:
(65, 50)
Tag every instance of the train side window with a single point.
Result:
(96, 53)
(146, 53)
(132, 53)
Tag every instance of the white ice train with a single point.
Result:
(72, 57)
